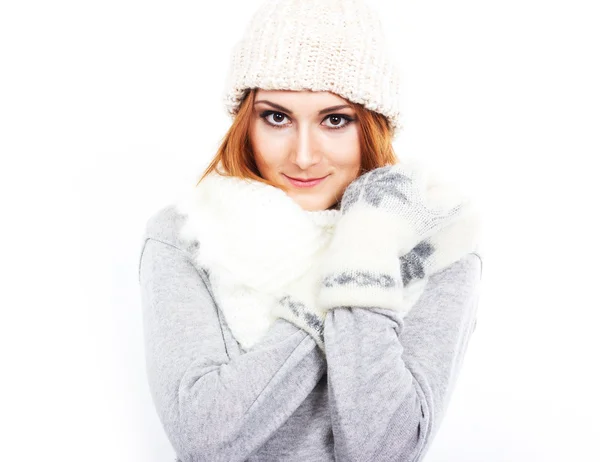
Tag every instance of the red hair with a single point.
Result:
(236, 156)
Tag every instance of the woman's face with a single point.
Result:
(305, 134)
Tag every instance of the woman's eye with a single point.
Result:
(275, 118)
(337, 121)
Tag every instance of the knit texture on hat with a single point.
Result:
(319, 45)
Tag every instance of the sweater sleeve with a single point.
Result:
(390, 378)
(214, 407)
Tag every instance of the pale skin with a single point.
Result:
(305, 134)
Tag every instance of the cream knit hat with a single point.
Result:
(319, 45)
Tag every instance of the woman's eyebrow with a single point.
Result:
(333, 108)
(283, 109)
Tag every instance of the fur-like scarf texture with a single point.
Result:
(253, 240)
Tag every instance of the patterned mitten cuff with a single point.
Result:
(442, 249)
(361, 265)
(435, 253)
(296, 303)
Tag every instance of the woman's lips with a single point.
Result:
(305, 184)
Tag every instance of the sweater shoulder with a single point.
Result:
(165, 225)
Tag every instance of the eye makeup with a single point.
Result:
(265, 115)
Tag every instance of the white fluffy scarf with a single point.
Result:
(254, 240)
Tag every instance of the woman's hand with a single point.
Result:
(296, 303)
(391, 213)
(407, 192)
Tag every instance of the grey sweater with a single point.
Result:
(380, 394)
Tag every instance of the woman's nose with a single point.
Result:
(306, 148)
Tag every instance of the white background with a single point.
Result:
(109, 109)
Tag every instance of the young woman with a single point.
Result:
(312, 297)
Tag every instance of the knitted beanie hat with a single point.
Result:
(319, 45)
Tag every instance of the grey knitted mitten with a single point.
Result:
(388, 213)
(296, 303)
